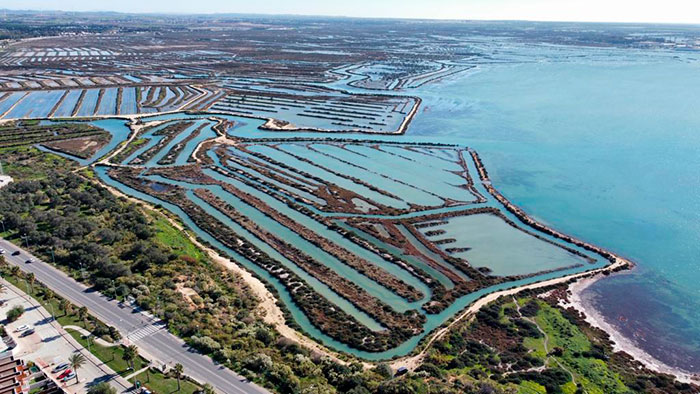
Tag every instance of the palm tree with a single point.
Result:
(129, 355)
(82, 315)
(31, 278)
(76, 360)
(178, 373)
(208, 389)
(14, 270)
(63, 305)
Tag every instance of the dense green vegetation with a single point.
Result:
(126, 250)
(526, 345)
(529, 345)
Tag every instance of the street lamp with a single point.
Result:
(53, 259)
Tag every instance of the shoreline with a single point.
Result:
(273, 315)
(620, 342)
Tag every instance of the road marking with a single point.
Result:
(143, 332)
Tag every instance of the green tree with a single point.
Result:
(30, 279)
(63, 305)
(178, 373)
(14, 313)
(102, 388)
(208, 389)
(82, 315)
(130, 353)
(76, 361)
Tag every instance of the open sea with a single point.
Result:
(603, 145)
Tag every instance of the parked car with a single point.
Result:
(60, 367)
(145, 391)
(27, 333)
(68, 377)
(23, 327)
(64, 374)
(15, 253)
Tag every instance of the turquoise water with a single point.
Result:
(496, 245)
(606, 151)
(116, 127)
(398, 304)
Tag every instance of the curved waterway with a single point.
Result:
(432, 321)
(610, 159)
(118, 130)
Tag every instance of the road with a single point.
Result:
(51, 344)
(154, 342)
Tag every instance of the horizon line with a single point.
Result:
(407, 18)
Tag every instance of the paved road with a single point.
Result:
(157, 344)
(51, 342)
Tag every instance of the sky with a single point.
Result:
(663, 11)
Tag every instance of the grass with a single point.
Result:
(593, 374)
(15, 166)
(157, 382)
(170, 236)
(531, 388)
(112, 356)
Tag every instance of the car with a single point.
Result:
(60, 367)
(29, 261)
(145, 391)
(15, 253)
(2, 251)
(23, 327)
(27, 333)
(64, 374)
(68, 377)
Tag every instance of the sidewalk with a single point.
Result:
(51, 344)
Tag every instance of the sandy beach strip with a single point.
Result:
(620, 342)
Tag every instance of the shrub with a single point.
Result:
(102, 388)
(14, 313)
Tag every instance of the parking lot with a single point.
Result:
(43, 341)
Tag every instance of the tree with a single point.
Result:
(129, 355)
(14, 270)
(76, 360)
(63, 305)
(178, 373)
(114, 333)
(14, 313)
(49, 295)
(31, 278)
(208, 389)
(102, 388)
(82, 315)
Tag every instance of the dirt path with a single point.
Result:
(546, 346)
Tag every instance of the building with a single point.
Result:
(13, 375)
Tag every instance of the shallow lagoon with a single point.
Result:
(612, 159)
(503, 249)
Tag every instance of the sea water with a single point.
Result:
(608, 151)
